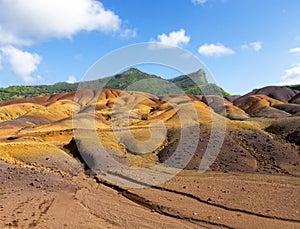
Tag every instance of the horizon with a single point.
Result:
(150, 73)
(245, 45)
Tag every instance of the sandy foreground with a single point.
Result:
(32, 198)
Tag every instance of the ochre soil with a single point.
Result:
(253, 183)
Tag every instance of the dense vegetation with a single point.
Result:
(132, 79)
(295, 87)
(15, 92)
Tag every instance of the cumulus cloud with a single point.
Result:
(23, 64)
(215, 50)
(196, 2)
(295, 51)
(7, 37)
(292, 75)
(128, 33)
(256, 46)
(175, 38)
(71, 79)
(23, 21)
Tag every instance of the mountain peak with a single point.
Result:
(132, 71)
(200, 71)
(199, 77)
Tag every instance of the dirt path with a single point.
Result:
(191, 207)
(65, 202)
(38, 199)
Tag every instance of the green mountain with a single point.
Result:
(15, 92)
(189, 86)
(132, 79)
(187, 81)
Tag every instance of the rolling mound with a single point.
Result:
(281, 93)
(248, 146)
(261, 105)
(296, 99)
(37, 154)
(49, 144)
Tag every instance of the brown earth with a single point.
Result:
(253, 183)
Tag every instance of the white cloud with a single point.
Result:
(71, 79)
(295, 51)
(215, 50)
(128, 33)
(256, 46)
(9, 38)
(24, 21)
(199, 1)
(292, 75)
(23, 64)
(175, 38)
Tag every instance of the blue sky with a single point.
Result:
(246, 44)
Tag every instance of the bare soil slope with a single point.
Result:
(255, 178)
